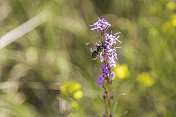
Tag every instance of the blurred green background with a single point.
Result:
(41, 71)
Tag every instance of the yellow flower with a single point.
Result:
(170, 6)
(69, 87)
(121, 71)
(63, 89)
(78, 94)
(173, 19)
(73, 86)
(145, 79)
(74, 104)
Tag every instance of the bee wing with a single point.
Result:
(91, 46)
(101, 58)
(87, 43)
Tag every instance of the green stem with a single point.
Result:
(108, 99)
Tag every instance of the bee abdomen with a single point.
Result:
(94, 55)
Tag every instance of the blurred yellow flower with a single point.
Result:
(69, 87)
(63, 89)
(173, 19)
(121, 71)
(74, 86)
(170, 6)
(78, 94)
(74, 104)
(145, 79)
(72, 90)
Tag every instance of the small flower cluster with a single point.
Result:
(72, 90)
(110, 55)
(101, 25)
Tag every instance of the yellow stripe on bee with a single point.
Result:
(94, 58)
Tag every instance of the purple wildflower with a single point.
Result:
(110, 39)
(112, 57)
(100, 25)
(104, 70)
(109, 55)
(99, 44)
(100, 80)
(112, 75)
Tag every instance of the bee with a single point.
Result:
(96, 50)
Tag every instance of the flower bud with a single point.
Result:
(111, 115)
(112, 96)
(110, 81)
(105, 96)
